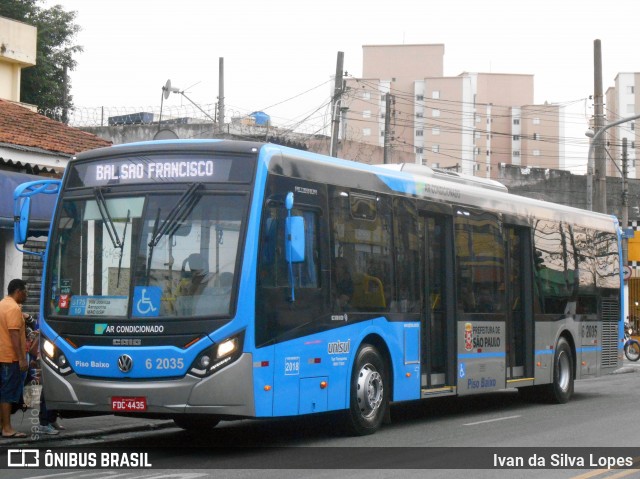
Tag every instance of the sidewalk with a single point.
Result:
(79, 427)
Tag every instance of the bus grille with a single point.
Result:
(610, 318)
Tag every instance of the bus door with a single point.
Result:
(519, 301)
(438, 339)
(290, 300)
(481, 293)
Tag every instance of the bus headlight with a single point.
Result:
(48, 348)
(217, 356)
(227, 347)
(54, 357)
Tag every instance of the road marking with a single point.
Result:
(606, 473)
(491, 420)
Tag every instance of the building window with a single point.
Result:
(435, 148)
(630, 89)
(382, 133)
(366, 114)
(515, 153)
(633, 125)
(435, 131)
(633, 145)
(435, 165)
(419, 132)
(516, 137)
(435, 113)
(419, 97)
(435, 94)
(536, 121)
(536, 152)
(536, 136)
(419, 150)
(366, 132)
(516, 121)
(419, 114)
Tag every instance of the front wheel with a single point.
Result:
(632, 350)
(369, 398)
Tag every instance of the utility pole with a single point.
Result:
(625, 200)
(600, 193)
(625, 185)
(221, 91)
(387, 128)
(335, 102)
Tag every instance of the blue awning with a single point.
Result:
(41, 205)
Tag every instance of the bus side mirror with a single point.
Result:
(294, 234)
(294, 231)
(21, 219)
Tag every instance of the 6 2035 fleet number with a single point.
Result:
(164, 363)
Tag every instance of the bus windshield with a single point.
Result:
(157, 255)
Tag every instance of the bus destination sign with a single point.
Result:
(158, 169)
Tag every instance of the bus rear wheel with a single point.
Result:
(196, 422)
(369, 398)
(561, 390)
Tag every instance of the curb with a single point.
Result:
(627, 369)
(65, 435)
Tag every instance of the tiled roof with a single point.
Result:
(21, 126)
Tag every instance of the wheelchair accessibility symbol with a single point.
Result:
(146, 301)
(461, 371)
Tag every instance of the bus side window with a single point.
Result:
(274, 269)
(276, 313)
(361, 236)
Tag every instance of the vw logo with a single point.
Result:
(125, 363)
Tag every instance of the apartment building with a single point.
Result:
(622, 101)
(472, 122)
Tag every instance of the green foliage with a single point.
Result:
(47, 85)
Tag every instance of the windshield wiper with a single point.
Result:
(106, 218)
(124, 238)
(178, 213)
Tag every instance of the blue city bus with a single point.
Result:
(209, 280)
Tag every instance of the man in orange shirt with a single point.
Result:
(13, 358)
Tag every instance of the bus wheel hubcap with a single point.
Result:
(564, 372)
(370, 390)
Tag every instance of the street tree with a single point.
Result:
(47, 84)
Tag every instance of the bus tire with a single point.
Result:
(196, 422)
(369, 392)
(561, 389)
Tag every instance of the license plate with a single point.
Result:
(131, 404)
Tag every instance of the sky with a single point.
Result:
(280, 55)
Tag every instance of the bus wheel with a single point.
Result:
(561, 390)
(369, 398)
(196, 422)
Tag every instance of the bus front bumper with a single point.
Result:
(228, 392)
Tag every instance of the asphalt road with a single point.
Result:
(601, 415)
